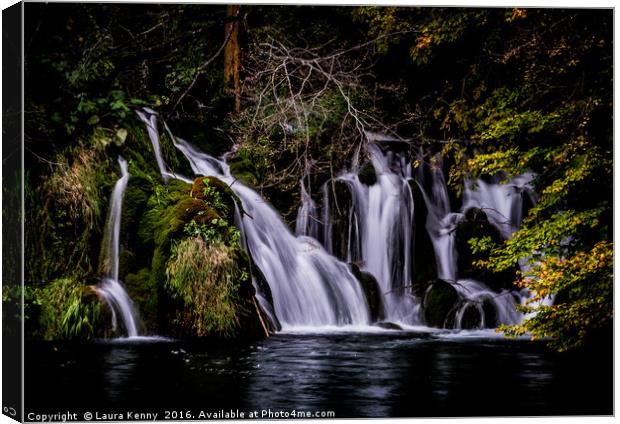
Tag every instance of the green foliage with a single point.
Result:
(583, 284)
(253, 162)
(206, 277)
(65, 215)
(218, 230)
(70, 310)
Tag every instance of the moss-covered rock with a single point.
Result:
(245, 171)
(217, 194)
(214, 288)
(439, 304)
(372, 292)
(196, 281)
(145, 295)
(367, 174)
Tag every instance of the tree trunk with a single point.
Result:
(232, 54)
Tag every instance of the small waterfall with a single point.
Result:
(441, 222)
(475, 294)
(110, 288)
(380, 230)
(307, 223)
(309, 287)
(503, 204)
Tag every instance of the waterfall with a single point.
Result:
(475, 294)
(307, 223)
(503, 204)
(309, 287)
(110, 288)
(441, 222)
(380, 230)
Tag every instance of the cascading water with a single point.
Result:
(441, 222)
(380, 230)
(110, 288)
(307, 223)
(309, 287)
(503, 204)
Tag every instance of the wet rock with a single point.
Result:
(439, 304)
(388, 325)
(471, 317)
(372, 291)
(245, 171)
(367, 174)
(273, 324)
(490, 314)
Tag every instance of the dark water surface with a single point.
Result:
(387, 374)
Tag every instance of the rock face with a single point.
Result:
(372, 291)
(439, 304)
(424, 262)
(340, 202)
(475, 224)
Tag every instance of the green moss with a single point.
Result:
(145, 294)
(245, 171)
(176, 213)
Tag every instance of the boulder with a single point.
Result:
(367, 174)
(439, 304)
(471, 318)
(372, 291)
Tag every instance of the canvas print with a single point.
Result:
(301, 211)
